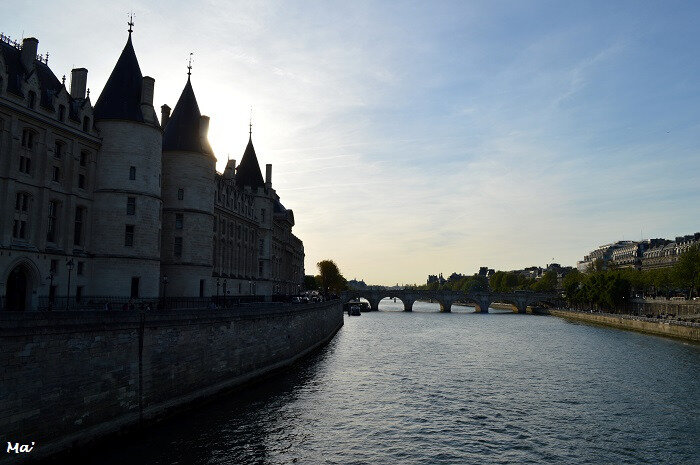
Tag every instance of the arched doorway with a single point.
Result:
(17, 289)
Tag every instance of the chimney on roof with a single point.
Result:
(268, 175)
(78, 83)
(29, 47)
(203, 127)
(164, 115)
(230, 170)
(147, 86)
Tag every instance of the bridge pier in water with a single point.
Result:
(374, 304)
(407, 304)
(445, 306)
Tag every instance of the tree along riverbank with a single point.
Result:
(685, 330)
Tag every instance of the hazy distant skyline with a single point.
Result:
(413, 138)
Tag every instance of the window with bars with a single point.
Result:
(178, 220)
(178, 247)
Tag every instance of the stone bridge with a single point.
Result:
(480, 299)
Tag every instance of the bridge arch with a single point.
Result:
(472, 302)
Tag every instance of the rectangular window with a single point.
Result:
(81, 181)
(51, 226)
(131, 205)
(53, 268)
(178, 247)
(58, 149)
(260, 269)
(129, 235)
(61, 113)
(201, 288)
(135, 287)
(180, 194)
(178, 220)
(25, 164)
(132, 173)
(81, 268)
(56, 177)
(83, 158)
(78, 226)
(78, 293)
(262, 214)
(262, 246)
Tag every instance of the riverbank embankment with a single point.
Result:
(677, 329)
(73, 377)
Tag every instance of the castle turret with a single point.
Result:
(189, 168)
(249, 177)
(127, 184)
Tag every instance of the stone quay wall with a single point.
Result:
(678, 329)
(682, 308)
(71, 377)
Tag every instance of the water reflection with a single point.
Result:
(427, 387)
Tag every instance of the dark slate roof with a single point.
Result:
(48, 82)
(121, 97)
(248, 172)
(182, 131)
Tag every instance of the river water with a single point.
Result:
(457, 388)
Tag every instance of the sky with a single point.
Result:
(415, 138)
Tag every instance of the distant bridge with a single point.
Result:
(482, 300)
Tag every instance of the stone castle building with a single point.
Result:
(105, 200)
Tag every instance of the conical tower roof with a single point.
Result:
(183, 129)
(248, 172)
(121, 97)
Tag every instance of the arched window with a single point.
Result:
(61, 113)
(86, 124)
(31, 97)
(20, 226)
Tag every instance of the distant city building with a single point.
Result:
(604, 253)
(358, 285)
(436, 279)
(665, 253)
(647, 254)
(115, 203)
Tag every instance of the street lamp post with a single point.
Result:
(69, 265)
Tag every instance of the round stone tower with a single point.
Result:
(189, 168)
(127, 204)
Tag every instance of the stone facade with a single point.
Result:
(99, 200)
(77, 376)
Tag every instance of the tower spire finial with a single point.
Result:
(189, 66)
(250, 124)
(131, 22)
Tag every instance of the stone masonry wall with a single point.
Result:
(68, 377)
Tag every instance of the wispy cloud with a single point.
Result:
(411, 137)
